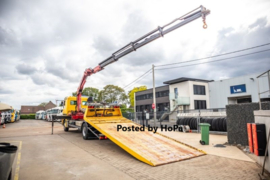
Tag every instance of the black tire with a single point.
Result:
(65, 128)
(85, 131)
(225, 124)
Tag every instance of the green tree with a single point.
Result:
(113, 93)
(101, 96)
(89, 91)
(43, 104)
(131, 93)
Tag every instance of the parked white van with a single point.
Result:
(47, 114)
(40, 114)
(55, 111)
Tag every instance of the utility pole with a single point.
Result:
(134, 106)
(154, 94)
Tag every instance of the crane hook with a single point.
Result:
(204, 24)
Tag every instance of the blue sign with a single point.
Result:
(238, 89)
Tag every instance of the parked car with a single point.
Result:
(7, 156)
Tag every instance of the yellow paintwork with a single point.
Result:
(153, 149)
(13, 111)
(68, 107)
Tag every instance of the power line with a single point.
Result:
(140, 77)
(215, 55)
(137, 78)
(215, 60)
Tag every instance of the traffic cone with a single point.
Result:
(4, 125)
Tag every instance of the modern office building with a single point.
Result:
(179, 94)
(144, 99)
(188, 93)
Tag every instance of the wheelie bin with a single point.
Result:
(204, 133)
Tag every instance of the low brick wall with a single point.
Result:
(238, 115)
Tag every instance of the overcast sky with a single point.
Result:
(46, 45)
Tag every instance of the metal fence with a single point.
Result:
(170, 118)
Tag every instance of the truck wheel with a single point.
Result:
(66, 125)
(85, 131)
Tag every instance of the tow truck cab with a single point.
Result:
(70, 104)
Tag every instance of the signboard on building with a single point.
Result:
(238, 89)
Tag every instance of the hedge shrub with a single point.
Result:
(27, 116)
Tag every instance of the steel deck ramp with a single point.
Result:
(153, 149)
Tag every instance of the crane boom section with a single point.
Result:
(147, 38)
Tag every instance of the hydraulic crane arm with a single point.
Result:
(149, 37)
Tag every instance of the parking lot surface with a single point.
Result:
(65, 155)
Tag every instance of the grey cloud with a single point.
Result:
(136, 26)
(6, 37)
(40, 79)
(25, 69)
(261, 22)
(60, 70)
(244, 38)
(5, 91)
(228, 40)
(240, 40)
(104, 44)
(145, 57)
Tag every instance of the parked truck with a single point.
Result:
(102, 121)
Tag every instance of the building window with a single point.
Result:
(199, 90)
(200, 104)
(175, 93)
(150, 95)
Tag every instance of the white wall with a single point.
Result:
(199, 97)
(185, 89)
(220, 90)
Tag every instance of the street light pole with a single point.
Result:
(154, 94)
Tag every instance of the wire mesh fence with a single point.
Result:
(215, 117)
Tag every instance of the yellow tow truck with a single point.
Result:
(101, 121)
(70, 105)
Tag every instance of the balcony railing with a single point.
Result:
(179, 100)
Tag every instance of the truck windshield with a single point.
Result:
(84, 103)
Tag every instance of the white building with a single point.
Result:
(188, 93)
(237, 90)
